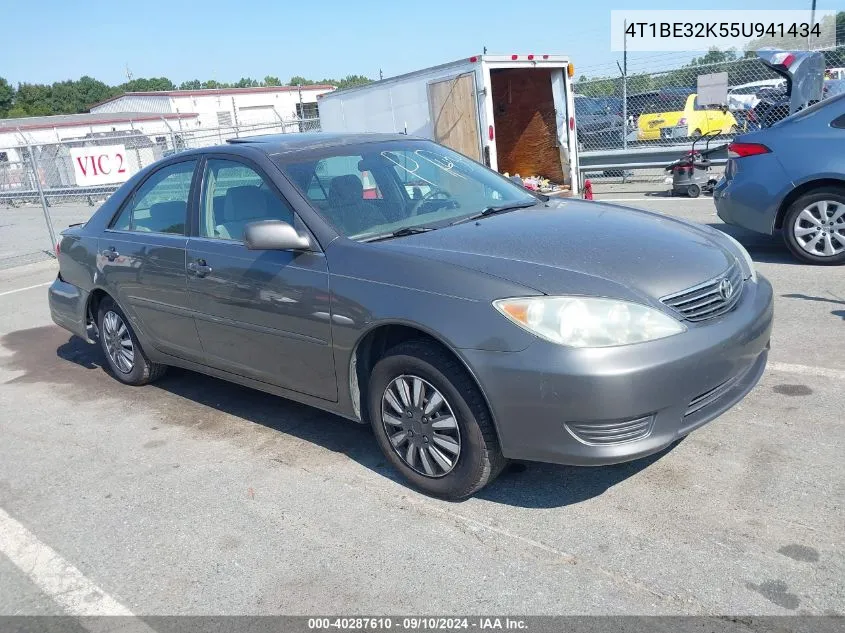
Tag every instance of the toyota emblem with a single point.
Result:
(726, 289)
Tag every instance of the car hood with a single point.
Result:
(580, 247)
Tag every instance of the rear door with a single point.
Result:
(260, 314)
(454, 114)
(142, 259)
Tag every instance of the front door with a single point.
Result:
(260, 314)
(141, 259)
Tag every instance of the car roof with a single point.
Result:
(303, 141)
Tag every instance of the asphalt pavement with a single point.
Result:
(196, 496)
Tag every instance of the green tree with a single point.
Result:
(34, 99)
(351, 81)
(153, 84)
(7, 97)
(193, 84)
(269, 80)
(246, 82)
(297, 80)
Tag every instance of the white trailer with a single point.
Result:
(514, 113)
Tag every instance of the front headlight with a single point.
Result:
(749, 272)
(588, 321)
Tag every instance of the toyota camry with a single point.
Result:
(397, 283)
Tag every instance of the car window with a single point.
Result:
(160, 204)
(328, 168)
(423, 184)
(234, 195)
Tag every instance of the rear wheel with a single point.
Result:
(431, 421)
(814, 226)
(693, 191)
(123, 352)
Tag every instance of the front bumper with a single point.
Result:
(547, 396)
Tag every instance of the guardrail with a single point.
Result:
(646, 157)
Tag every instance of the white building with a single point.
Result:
(224, 106)
(161, 129)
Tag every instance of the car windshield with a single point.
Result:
(374, 189)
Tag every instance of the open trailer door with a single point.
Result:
(454, 114)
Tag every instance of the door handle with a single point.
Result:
(111, 254)
(199, 268)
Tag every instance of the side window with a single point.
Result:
(235, 195)
(161, 203)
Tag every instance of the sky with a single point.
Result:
(52, 40)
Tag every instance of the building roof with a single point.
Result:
(93, 118)
(205, 92)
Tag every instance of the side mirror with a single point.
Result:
(274, 235)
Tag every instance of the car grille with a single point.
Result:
(605, 433)
(711, 299)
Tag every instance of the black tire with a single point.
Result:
(836, 194)
(693, 191)
(143, 371)
(480, 459)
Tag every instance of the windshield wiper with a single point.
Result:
(405, 230)
(492, 210)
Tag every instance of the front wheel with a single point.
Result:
(431, 421)
(693, 191)
(814, 226)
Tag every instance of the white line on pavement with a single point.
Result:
(807, 370)
(654, 199)
(11, 292)
(55, 576)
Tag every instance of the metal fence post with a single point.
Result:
(172, 136)
(34, 163)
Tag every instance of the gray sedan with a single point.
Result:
(791, 177)
(395, 282)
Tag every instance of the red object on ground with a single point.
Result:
(588, 190)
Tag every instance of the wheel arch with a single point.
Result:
(801, 190)
(372, 345)
(95, 297)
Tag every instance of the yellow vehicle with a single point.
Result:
(680, 116)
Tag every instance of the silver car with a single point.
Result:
(397, 283)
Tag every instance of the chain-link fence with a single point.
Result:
(65, 181)
(655, 105)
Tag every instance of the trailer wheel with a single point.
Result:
(693, 191)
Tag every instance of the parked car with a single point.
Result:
(676, 116)
(791, 177)
(745, 96)
(472, 324)
(597, 125)
(637, 103)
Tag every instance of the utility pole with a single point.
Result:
(625, 86)
(380, 74)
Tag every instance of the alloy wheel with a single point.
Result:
(421, 426)
(118, 342)
(820, 228)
